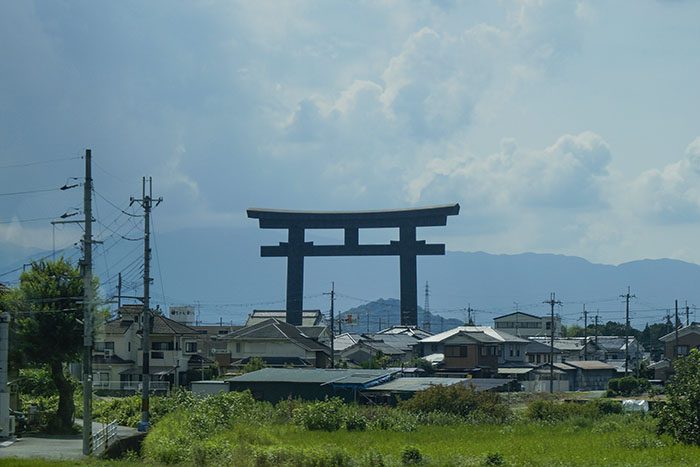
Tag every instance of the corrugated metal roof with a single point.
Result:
(589, 365)
(314, 375)
(420, 384)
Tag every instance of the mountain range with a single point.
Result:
(220, 270)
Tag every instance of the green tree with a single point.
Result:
(254, 364)
(47, 327)
(680, 416)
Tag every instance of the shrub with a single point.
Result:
(323, 415)
(628, 386)
(459, 400)
(494, 458)
(326, 456)
(355, 421)
(552, 411)
(680, 417)
(607, 406)
(411, 455)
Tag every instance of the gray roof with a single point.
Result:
(539, 347)
(589, 365)
(420, 384)
(274, 329)
(403, 342)
(517, 313)
(314, 332)
(345, 340)
(315, 375)
(692, 328)
(308, 317)
(161, 324)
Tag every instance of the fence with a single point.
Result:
(102, 439)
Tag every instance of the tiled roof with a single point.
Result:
(163, 325)
(274, 329)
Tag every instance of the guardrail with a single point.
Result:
(102, 439)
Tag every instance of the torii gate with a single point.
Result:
(407, 248)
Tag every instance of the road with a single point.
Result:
(54, 446)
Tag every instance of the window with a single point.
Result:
(162, 346)
(682, 350)
(101, 346)
(190, 347)
(511, 351)
(455, 351)
(128, 345)
(157, 355)
(517, 352)
(531, 358)
(484, 351)
(238, 347)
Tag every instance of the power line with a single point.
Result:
(40, 190)
(23, 221)
(48, 161)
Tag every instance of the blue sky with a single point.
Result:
(560, 127)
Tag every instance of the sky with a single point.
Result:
(559, 127)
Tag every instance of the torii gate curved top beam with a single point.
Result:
(407, 247)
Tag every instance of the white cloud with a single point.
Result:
(670, 194)
(567, 174)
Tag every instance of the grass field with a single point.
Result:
(617, 441)
(613, 441)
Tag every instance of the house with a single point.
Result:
(680, 343)
(474, 348)
(611, 349)
(538, 353)
(526, 325)
(573, 375)
(571, 348)
(308, 318)
(278, 384)
(591, 375)
(118, 354)
(365, 350)
(278, 344)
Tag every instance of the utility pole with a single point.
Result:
(332, 294)
(676, 331)
(627, 297)
(687, 314)
(552, 301)
(119, 291)
(470, 318)
(596, 328)
(585, 333)
(88, 300)
(4, 393)
(146, 203)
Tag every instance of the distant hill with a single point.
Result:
(383, 313)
